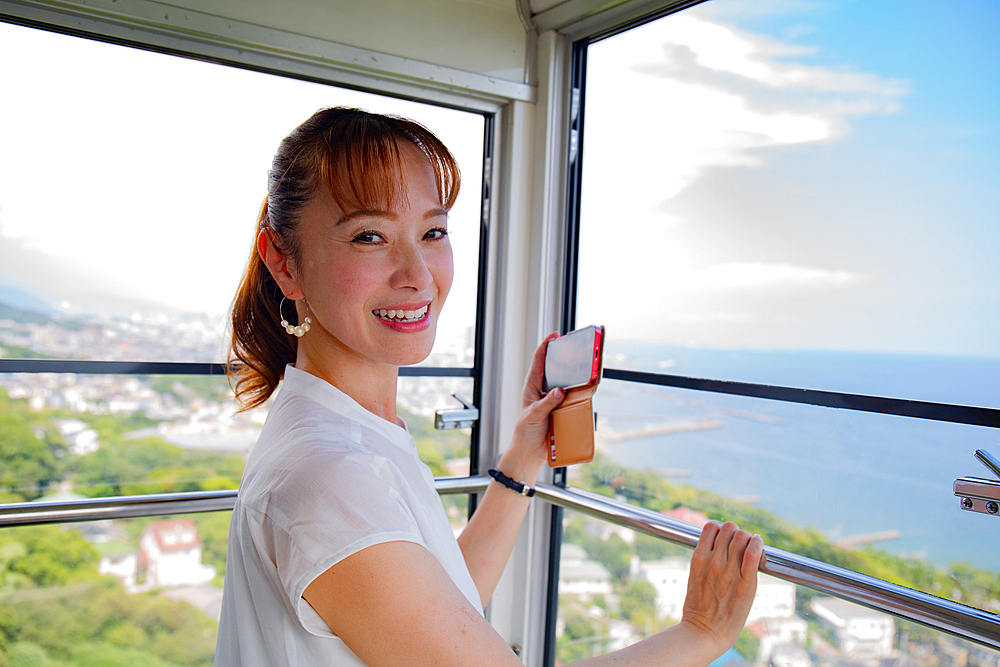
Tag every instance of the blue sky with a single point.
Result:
(799, 175)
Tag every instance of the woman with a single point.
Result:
(340, 551)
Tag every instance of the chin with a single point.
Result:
(412, 354)
(415, 358)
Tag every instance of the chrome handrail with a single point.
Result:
(956, 619)
(116, 507)
(158, 504)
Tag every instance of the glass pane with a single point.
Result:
(617, 587)
(61, 288)
(838, 486)
(446, 452)
(111, 435)
(935, 378)
(803, 201)
(126, 217)
(136, 592)
(800, 193)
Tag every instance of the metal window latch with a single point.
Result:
(455, 417)
(979, 494)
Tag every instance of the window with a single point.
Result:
(792, 196)
(129, 186)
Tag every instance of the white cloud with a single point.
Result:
(757, 58)
(682, 95)
(761, 276)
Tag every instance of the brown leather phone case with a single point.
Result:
(571, 426)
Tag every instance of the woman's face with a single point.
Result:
(375, 281)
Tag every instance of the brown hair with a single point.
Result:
(355, 155)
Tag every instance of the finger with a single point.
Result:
(738, 552)
(753, 557)
(538, 360)
(536, 372)
(724, 540)
(738, 545)
(708, 534)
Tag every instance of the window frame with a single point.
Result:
(941, 614)
(481, 99)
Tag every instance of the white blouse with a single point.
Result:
(325, 480)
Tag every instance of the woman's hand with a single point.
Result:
(529, 445)
(721, 587)
(722, 583)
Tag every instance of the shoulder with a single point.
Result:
(312, 461)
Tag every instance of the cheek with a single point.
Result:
(444, 272)
(343, 285)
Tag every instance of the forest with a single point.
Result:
(55, 609)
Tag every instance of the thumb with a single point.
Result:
(554, 398)
(540, 409)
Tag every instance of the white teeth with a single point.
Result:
(402, 315)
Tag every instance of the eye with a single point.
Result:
(436, 234)
(368, 237)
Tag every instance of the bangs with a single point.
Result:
(361, 163)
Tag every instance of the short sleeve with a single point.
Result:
(333, 504)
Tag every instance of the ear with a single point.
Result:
(277, 263)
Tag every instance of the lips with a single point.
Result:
(401, 315)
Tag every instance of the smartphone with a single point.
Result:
(573, 360)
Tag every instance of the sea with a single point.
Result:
(858, 478)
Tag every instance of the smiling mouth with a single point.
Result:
(401, 315)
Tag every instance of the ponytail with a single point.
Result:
(258, 341)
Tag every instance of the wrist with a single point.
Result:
(703, 646)
(520, 488)
(520, 465)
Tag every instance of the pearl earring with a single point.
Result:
(291, 329)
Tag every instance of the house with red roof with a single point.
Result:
(170, 555)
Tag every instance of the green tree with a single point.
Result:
(748, 646)
(151, 465)
(26, 654)
(47, 555)
(638, 603)
(27, 463)
(579, 635)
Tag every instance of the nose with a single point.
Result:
(411, 270)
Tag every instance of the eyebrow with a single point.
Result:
(433, 213)
(361, 214)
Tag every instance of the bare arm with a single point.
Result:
(489, 538)
(394, 604)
